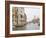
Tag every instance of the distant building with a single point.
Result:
(19, 17)
(36, 20)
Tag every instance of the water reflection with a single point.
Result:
(29, 26)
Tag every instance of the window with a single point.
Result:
(21, 16)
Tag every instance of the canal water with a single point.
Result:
(29, 26)
(32, 26)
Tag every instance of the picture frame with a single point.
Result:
(9, 5)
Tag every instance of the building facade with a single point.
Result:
(19, 17)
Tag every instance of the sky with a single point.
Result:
(31, 12)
